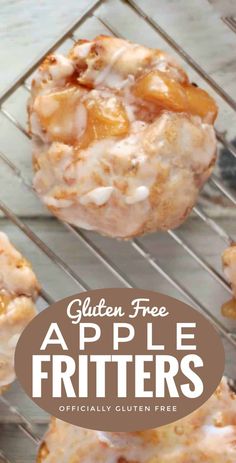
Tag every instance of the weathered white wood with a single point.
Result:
(224, 7)
(27, 27)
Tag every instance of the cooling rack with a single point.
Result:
(106, 256)
(231, 22)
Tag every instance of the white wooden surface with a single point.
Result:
(27, 28)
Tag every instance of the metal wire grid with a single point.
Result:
(22, 422)
(231, 22)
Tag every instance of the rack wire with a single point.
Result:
(23, 423)
(231, 22)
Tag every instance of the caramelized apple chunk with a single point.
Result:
(107, 118)
(71, 119)
(170, 94)
(228, 309)
(159, 88)
(57, 112)
(201, 104)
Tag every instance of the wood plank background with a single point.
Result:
(26, 29)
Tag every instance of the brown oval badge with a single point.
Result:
(119, 359)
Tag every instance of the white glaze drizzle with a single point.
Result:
(140, 194)
(82, 50)
(106, 71)
(98, 196)
(62, 68)
(80, 120)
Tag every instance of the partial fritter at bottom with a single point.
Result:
(208, 435)
(18, 291)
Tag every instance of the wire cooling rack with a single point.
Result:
(231, 22)
(15, 426)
